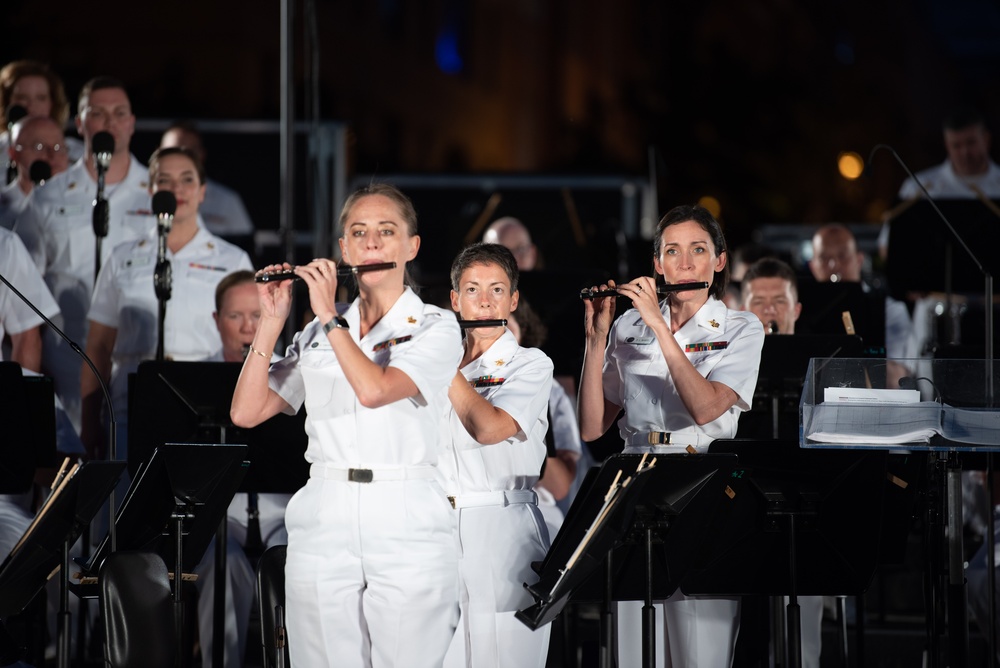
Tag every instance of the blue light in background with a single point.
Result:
(446, 51)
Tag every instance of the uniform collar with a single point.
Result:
(77, 176)
(405, 315)
(497, 356)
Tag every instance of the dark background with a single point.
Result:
(747, 102)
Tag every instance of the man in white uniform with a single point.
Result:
(57, 226)
(497, 423)
(38, 139)
(968, 171)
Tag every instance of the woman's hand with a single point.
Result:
(642, 292)
(321, 277)
(598, 313)
(275, 296)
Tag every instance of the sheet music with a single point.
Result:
(881, 424)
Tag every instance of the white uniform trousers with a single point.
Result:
(499, 542)
(691, 632)
(370, 578)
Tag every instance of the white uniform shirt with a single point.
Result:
(723, 345)
(942, 182)
(223, 211)
(125, 299)
(12, 201)
(16, 266)
(516, 380)
(57, 229)
(421, 340)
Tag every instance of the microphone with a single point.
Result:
(164, 207)
(772, 327)
(591, 293)
(102, 145)
(40, 172)
(342, 271)
(14, 114)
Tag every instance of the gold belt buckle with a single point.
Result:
(658, 438)
(360, 475)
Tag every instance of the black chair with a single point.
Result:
(138, 612)
(271, 599)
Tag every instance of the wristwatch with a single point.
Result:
(338, 322)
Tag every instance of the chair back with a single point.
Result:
(137, 609)
(271, 598)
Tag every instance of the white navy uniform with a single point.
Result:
(16, 266)
(942, 182)
(125, 299)
(370, 578)
(566, 435)
(57, 229)
(500, 527)
(224, 212)
(724, 347)
(12, 201)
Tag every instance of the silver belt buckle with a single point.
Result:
(360, 475)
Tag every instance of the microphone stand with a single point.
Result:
(101, 213)
(956, 575)
(162, 278)
(64, 614)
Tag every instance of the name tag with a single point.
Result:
(72, 210)
(640, 340)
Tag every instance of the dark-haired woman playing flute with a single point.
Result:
(371, 575)
(683, 369)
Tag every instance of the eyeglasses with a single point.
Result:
(40, 147)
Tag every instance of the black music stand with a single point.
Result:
(813, 525)
(44, 548)
(646, 538)
(189, 402)
(823, 305)
(784, 360)
(924, 255)
(27, 413)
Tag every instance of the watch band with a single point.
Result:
(337, 322)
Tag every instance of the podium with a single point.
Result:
(846, 405)
(637, 526)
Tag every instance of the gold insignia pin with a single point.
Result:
(499, 362)
(142, 243)
(410, 319)
(210, 245)
(713, 323)
(71, 186)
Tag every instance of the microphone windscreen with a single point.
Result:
(15, 113)
(102, 142)
(908, 383)
(164, 203)
(40, 171)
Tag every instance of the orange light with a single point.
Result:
(712, 204)
(850, 165)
